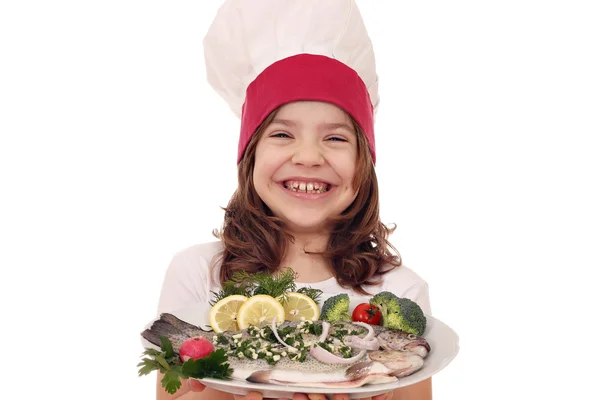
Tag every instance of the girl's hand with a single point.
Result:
(196, 386)
(384, 396)
(193, 385)
(318, 396)
(249, 396)
(187, 385)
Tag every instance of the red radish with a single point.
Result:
(195, 348)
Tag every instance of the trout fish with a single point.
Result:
(315, 354)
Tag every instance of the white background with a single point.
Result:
(115, 154)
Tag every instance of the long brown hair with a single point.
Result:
(255, 240)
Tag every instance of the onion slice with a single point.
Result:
(371, 333)
(326, 357)
(359, 343)
(325, 331)
(274, 329)
(369, 342)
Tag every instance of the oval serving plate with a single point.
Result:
(442, 339)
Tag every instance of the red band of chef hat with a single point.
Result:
(306, 77)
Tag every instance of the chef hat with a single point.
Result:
(261, 54)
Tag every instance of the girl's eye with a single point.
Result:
(280, 135)
(337, 139)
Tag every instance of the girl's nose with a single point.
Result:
(308, 154)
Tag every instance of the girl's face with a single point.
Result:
(304, 165)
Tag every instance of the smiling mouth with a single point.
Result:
(306, 187)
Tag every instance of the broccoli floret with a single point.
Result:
(336, 308)
(400, 313)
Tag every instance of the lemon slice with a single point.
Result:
(300, 307)
(259, 310)
(224, 315)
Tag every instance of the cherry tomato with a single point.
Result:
(367, 313)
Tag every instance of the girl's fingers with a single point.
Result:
(249, 396)
(384, 396)
(195, 385)
(341, 397)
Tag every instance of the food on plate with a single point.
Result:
(367, 313)
(237, 311)
(258, 310)
(276, 285)
(223, 315)
(336, 308)
(195, 348)
(317, 354)
(400, 313)
(314, 294)
(171, 363)
(300, 307)
(226, 314)
(398, 341)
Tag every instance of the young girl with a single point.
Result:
(302, 76)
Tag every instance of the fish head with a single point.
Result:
(399, 363)
(419, 347)
(403, 341)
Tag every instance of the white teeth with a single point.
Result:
(306, 187)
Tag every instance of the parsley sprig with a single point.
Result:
(168, 362)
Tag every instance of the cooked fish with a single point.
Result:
(308, 353)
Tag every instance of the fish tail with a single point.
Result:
(177, 323)
(172, 327)
(158, 329)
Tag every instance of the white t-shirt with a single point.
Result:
(190, 279)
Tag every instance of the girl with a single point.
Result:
(307, 192)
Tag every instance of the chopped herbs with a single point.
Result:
(261, 343)
(220, 339)
(315, 329)
(340, 334)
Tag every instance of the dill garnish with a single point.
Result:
(276, 285)
(314, 294)
(242, 283)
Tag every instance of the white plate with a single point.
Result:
(442, 339)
